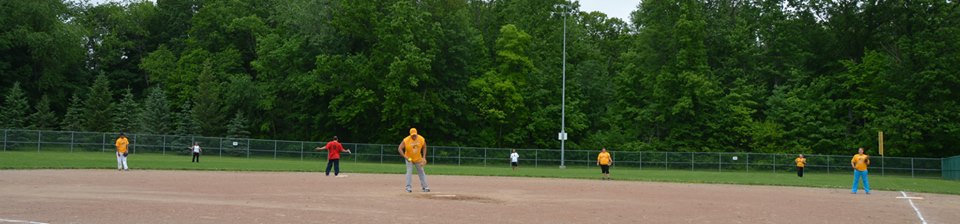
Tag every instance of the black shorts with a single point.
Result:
(514, 163)
(605, 169)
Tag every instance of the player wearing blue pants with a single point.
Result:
(859, 164)
(334, 148)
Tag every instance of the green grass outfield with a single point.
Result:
(105, 160)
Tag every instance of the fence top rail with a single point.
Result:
(613, 151)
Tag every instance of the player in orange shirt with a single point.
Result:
(122, 144)
(859, 164)
(604, 161)
(801, 162)
(413, 148)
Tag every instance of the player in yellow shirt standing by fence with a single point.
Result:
(122, 144)
(801, 162)
(414, 152)
(604, 161)
(859, 163)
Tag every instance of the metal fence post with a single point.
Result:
(912, 173)
(484, 156)
(587, 162)
(220, 147)
(381, 154)
(103, 142)
(613, 157)
(248, 148)
(164, 144)
(665, 161)
(427, 157)
(459, 154)
(4, 140)
(640, 160)
(828, 164)
(301, 151)
(274, 149)
(774, 163)
(71, 141)
(691, 161)
(883, 165)
(720, 162)
(38, 140)
(354, 147)
(748, 162)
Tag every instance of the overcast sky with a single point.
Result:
(613, 8)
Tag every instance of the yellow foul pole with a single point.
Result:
(880, 139)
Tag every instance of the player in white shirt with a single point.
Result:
(514, 160)
(196, 152)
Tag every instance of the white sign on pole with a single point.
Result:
(562, 136)
(734, 158)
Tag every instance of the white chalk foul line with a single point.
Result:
(924, 221)
(918, 198)
(20, 221)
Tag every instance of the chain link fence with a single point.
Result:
(69, 141)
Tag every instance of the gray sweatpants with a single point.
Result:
(423, 175)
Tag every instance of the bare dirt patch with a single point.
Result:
(109, 196)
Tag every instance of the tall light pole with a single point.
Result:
(563, 91)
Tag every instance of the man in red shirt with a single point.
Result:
(333, 155)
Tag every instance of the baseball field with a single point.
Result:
(86, 188)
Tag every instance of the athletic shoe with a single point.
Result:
(868, 192)
(409, 190)
(426, 190)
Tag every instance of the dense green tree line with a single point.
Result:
(808, 76)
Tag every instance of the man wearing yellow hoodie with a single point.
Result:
(413, 148)
(122, 144)
(859, 163)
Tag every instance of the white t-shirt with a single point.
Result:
(196, 149)
(514, 157)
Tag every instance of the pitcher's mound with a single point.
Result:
(457, 197)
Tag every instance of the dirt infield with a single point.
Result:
(109, 196)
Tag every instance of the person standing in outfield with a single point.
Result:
(514, 160)
(334, 148)
(413, 148)
(122, 144)
(196, 152)
(604, 161)
(801, 162)
(859, 163)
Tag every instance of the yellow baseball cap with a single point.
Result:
(413, 131)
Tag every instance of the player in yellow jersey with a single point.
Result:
(413, 148)
(859, 163)
(604, 161)
(122, 144)
(801, 162)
